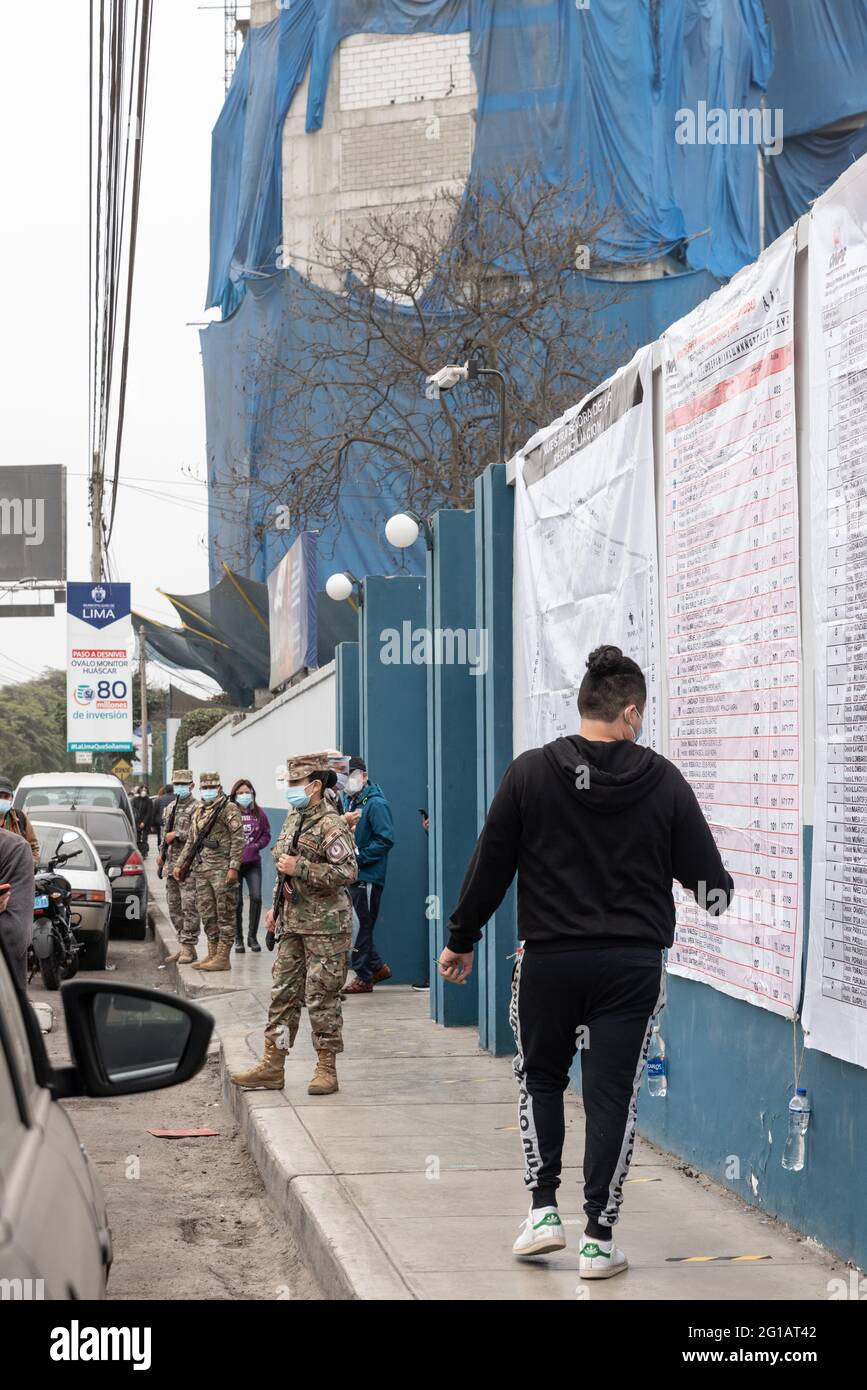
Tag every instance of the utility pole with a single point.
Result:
(142, 666)
(96, 487)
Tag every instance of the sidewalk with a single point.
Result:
(407, 1184)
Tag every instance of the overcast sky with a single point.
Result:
(161, 526)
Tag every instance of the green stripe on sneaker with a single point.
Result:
(591, 1251)
(552, 1219)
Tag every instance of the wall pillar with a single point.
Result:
(393, 709)
(494, 526)
(451, 743)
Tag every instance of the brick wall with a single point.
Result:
(395, 72)
(435, 149)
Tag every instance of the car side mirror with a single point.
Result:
(114, 873)
(126, 1038)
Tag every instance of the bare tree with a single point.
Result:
(487, 270)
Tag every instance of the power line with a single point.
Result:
(118, 85)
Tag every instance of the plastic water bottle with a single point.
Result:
(657, 1068)
(794, 1153)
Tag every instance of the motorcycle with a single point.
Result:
(54, 947)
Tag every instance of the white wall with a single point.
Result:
(304, 720)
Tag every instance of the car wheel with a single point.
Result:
(94, 955)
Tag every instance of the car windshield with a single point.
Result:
(51, 843)
(43, 798)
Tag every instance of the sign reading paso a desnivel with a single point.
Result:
(98, 670)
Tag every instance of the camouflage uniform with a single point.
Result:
(216, 900)
(315, 930)
(180, 897)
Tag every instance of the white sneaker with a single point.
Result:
(541, 1234)
(600, 1259)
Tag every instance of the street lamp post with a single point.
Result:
(449, 376)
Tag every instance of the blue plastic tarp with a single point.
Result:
(806, 166)
(591, 94)
(820, 71)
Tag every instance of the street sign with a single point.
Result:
(122, 769)
(98, 673)
(83, 759)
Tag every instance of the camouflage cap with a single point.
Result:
(302, 767)
(182, 774)
(210, 779)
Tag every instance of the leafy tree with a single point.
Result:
(33, 726)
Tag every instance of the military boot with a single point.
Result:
(188, 954)
(324, 1080)
(267, 1075)
(211, 946)
(170, 960)
(221, 959)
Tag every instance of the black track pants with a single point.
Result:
(611, 994)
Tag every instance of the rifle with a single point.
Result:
(272, 936)
(203, 835)
(170, 825)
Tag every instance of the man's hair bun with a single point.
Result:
(605, 661)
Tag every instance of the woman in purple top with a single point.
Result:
(257, 834)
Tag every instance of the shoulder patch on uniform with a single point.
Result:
(338, 849)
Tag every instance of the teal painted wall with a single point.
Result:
(451, 686)
(348, 698)
(393, 724)
(494, 523)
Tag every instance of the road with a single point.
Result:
(189, 1217)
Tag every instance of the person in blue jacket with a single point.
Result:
(370, 814)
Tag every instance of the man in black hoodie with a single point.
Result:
(596, 828)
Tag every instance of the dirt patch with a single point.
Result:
(189, 1217)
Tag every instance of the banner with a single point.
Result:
(98, 667)
(835, 993)
(733, 622)
(585, 553)
(33, 522)
(292, 611)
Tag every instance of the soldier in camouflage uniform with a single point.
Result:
(180, 897)
(315, 857)
(216, 864)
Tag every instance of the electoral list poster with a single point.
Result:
(835, 994)
(732, 612)
(586, 553)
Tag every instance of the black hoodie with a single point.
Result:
(597, 832)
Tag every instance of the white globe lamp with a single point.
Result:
(401, 530)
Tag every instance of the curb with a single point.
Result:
(307, 1197)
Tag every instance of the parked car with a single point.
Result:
(91, 898)
(44, 792)
(55, 1241)
(116, 846)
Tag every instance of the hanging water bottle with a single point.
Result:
(657, 1067)
(795, 1151)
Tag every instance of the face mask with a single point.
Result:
(210, 794)
(297, 798)
(342, 780)
(182, 791)
(354, 783)
(245, 798)
(636, 737)
(5, 806)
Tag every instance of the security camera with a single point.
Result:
(447, 377)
